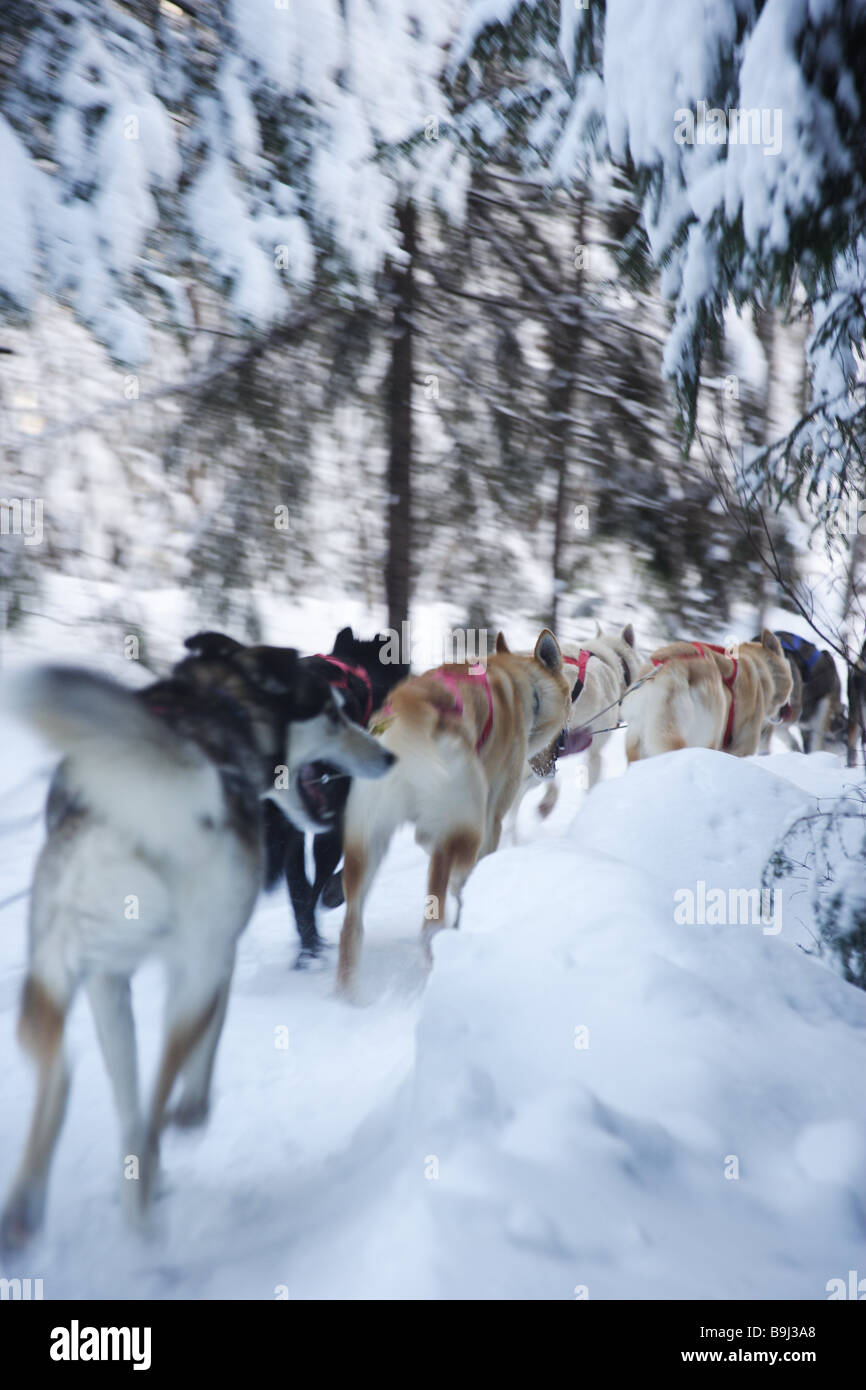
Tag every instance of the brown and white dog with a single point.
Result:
(462, 735)
(701, 696)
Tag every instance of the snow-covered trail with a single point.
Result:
(560, 1106)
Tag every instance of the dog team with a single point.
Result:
(175, 803)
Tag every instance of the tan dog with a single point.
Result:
(462, 736)
(699, 696)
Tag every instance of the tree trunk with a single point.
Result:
(398, 570)
(564, 347)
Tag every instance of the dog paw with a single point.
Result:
(332, 893)
(311, 957)
(189, 1113)
(21, 1219)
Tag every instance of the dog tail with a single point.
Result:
(122, 761)
(375, 809)
(78, 710)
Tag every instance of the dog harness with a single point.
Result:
(452, 681)
(795, 645)
(580, 662)
(703, 649)
(343, 684)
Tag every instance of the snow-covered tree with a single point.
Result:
(740, 125)
(148, 146)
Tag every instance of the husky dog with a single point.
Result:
(154, 848)
(463, 735)
(361, 680)
(700, 696)
(789, 714)
(600, 670)
(819, 711)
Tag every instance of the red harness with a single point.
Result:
(703, 649)
(343, 684)
(452, 681)
(580, 662)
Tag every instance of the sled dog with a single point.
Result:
(699, 696)
(818, 711)
(355, 670)
(600, 671)
(462, 735)
(154, 848)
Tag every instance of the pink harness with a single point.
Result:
(580, 662)
(344, 683)
(452, 681)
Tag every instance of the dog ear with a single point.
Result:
(501, 644)
(771, 642)
(628, 635)
(343, 641)
(213, 646)
(547, 651)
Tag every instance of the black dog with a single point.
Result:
(361, 680)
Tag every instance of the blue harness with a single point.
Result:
(795, 645)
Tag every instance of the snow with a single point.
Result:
(563, 1104)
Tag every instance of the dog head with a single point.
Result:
(298, 720)
(791, 709)
(373, 655)
(315, 730)
(620, 651)
(551, 703)
(779, 670)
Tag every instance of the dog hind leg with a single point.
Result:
(361, 861)
(111, 1003)
(450, 864)
(373, 813)
(197, 1073)
(820, 725)
(189, 1014)
(40, 1032)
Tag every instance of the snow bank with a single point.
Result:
(622, 1104)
